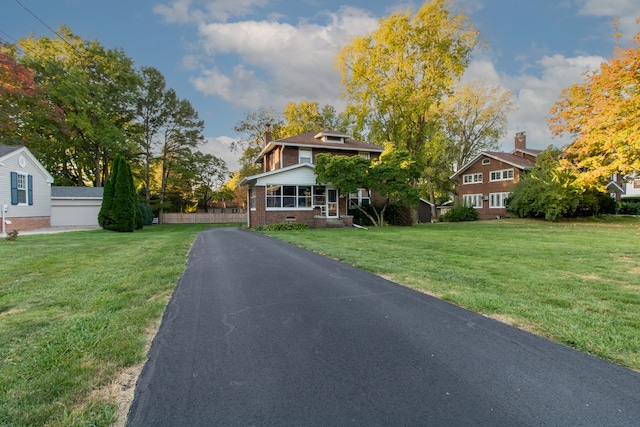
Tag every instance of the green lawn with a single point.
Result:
(577, 283)
(74, 308)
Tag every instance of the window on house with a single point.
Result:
(364, 154)
(502, 175)
(21, 189)
(496, 200)
(304, 155)
(333, 138)
(486, 161)
(319, 195)
(289, 196)
(274, 196)
(472, 178)
(636, 183)
(474, 200)
(252, 198)
(304, 196)
(361, 198)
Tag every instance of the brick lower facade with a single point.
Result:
(28, 223)
(312, 217)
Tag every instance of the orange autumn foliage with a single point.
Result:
(603, 116)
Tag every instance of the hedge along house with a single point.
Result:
(487, 180)
(25, 190)
(287, 191)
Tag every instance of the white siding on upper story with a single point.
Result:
(41, 186)
(632, 188)
(298, 176)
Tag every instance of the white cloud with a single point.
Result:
(626, 11)
(282, 62)
(535, 93)
(178, 12)
(184, 11)
(221, 147)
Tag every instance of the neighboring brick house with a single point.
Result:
(286, 190)
(486, 181)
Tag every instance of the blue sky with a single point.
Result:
(229, 57)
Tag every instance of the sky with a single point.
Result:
(232, 57)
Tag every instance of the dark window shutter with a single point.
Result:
(30, 189)
(14, 188)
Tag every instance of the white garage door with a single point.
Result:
(72, 212)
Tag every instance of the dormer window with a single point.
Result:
(334, 137)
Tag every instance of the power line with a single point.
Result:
(36, 16)
(50, 29)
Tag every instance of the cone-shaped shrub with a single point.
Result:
(120, 210)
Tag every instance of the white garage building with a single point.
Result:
(75, 206)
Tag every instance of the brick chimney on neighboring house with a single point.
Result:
(267, 135)
(521, 141)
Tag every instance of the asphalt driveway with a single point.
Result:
(259, 332)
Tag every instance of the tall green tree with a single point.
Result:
(152, 115)
(96, 88)
(181, 135)
(251, 130)
(391, 176)
(474, 118)
(396, 76)
(210, 173)
(308, 116)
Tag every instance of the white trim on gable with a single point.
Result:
(476, 158)
(24, 151)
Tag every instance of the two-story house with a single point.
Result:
(286, 189)
(486, 181)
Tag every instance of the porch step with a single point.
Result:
(334, 223)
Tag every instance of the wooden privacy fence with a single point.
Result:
(202, 218)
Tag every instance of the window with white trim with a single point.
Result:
(472, 178)
(501, 175)
(252, 199)
(362, 197)
(496, 200)
(289, 196)
(364, 154)
(474, 200)
(21, 188)
(486, 161)
(304, 155)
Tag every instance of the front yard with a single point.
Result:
(77, 308)
(577, 283)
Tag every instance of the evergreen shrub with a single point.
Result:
(460, 213)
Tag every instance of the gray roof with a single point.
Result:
(6, 149)
(77, 192)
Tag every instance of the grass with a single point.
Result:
(74, 310)
(75, 307)
(576, 283)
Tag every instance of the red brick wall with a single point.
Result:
(486, 186)
(28, 223)
(290, 154)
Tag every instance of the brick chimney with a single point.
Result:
(267, 135)
(521, 141)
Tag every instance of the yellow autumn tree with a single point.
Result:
(602, 116)
(395, 76)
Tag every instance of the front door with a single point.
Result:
(332, 203)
